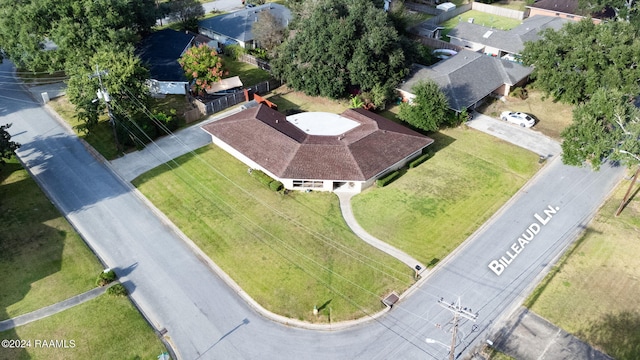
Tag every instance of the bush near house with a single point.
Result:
(387, 179)
(419, 160)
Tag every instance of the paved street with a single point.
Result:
(206, 319)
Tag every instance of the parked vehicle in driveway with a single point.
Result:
(518, 118)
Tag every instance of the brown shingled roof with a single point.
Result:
(263, 135)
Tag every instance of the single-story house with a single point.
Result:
(566, 9)
(235, 27)
(499, 43)
(316, 150)
(467, 78)
(160, 52)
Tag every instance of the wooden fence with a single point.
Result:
(212, 105)
(498, 11)
(250, 59)
(437, 44)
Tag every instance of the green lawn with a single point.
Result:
(287, 99)
(249, 74)
(103, 328)
(289, 252)
(480, 18)
(552, 116)
(593, 291)
(431, 209)
(42, 259)
(100, 138)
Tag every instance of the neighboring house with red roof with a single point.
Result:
(315, 150)
(566, 9)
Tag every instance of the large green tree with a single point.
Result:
(574, 62)
(123, 76)
(337, 44)
(7, 147)
(186, 13)
(606, 127)
(428, 110)
(77, 27)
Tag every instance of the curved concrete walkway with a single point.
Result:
(347, 214)
(53, 309)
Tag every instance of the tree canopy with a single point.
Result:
(202, 64)
(428, 110)
(268, 31)
(573, 63)
(337, 44)
(606, 127)
(76, 27)
(186, 12)
(7, 147)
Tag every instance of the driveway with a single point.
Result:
(527, 138)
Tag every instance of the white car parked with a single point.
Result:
(517, 118)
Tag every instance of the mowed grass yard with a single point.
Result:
(480, 18)
(289, 252)
(106, 327)
(433, 208)
(593, 292)
(44, 261)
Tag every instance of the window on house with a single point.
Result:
(316, 184)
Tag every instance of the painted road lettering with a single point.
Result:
(499, 265)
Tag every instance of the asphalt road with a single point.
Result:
(205, 319)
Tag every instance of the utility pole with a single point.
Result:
(104, 95)
(458, 311)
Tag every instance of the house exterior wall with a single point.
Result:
(310, 184)
(466, 44)
(221, 39)
(536, 11)
(491, 51)
(167, 87)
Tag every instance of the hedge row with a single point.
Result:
(387, 179)
(419, 160)
(266, 180)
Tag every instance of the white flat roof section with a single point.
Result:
(322, 123)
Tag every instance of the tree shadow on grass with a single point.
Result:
(617, 334)
(30, 250)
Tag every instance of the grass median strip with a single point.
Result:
(106, 327)
(434, 207)
(593, 291)
(289, 252)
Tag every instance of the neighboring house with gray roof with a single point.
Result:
(467, 78)
(318, 151)
(501, 43)
(236, 27)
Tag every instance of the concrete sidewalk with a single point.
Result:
(168, 148)
(524, 137)
(349, 218)
(53, 309)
